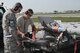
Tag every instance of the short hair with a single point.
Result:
(30, 10)
(18, 5)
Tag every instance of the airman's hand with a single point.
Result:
(23, 35)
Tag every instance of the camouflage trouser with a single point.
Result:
(10, 45)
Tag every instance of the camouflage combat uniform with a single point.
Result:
(9, 30)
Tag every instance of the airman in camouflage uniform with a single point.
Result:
(10, 30)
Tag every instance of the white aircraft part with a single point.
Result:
(74, 30)
(40, 34)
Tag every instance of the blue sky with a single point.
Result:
(45, 5)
